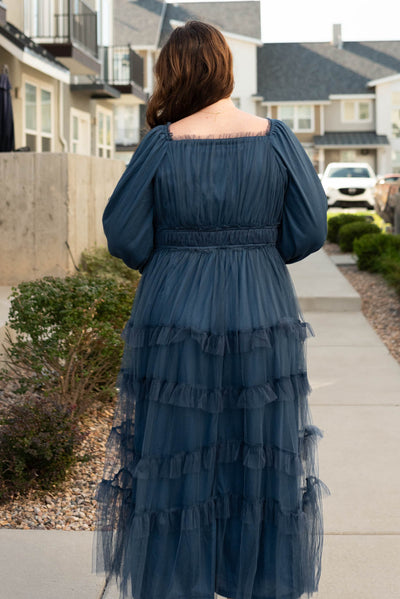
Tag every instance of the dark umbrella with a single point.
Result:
(6, 114)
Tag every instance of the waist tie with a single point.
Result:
(217, 237)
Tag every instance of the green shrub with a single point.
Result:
(370, 247)
(348, 233)
(66, 341)
(389, 266)
(336, 222)
(37, 446)
(98, 261)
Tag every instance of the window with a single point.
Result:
(356, 111)
(396, 114)
(38, 118)
(127, 125)
(104, 133)
(297, 117)
(349, 171)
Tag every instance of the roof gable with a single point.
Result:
(313, 71)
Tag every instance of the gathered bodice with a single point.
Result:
(242, 191)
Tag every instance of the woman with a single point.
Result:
(210, 483)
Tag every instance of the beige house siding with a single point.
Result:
(19, 74)
(334, 122)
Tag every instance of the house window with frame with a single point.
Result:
(396, 114)
(356, 111)
(38, 118)
(104, 133)
(297, 117)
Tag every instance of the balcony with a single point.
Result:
(122, 68)
(67, 29)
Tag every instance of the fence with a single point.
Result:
(51, 209)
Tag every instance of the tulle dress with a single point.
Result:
(211, 480)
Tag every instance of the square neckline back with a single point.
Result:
(222, 137)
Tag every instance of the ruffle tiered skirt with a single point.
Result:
(211, 477)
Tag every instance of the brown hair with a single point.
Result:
(194, 69)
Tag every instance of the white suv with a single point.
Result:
(349, 184)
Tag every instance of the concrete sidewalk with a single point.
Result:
(355, 401)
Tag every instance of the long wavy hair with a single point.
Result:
(194, 69)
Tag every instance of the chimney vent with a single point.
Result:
(337, 35)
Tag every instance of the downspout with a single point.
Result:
(61, 116)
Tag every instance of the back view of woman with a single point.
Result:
(211, 477)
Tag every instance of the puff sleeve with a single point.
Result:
(303, 228)
(128, 216)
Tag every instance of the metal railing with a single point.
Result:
(75, 22)
(121, 65)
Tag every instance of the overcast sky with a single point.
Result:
(312, 20)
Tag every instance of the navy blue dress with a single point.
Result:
(211, 478)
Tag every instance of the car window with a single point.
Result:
(392, 179)
(349, 171)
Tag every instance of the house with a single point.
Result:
(338, 97)
(143, 26)
(58, 54)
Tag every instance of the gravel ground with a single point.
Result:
(72, 507)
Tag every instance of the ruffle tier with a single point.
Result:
(264, 542)
(235, 341)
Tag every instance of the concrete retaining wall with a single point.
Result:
(47, 200)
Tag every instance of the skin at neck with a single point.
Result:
(218, 118)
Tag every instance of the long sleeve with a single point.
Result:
(303, 228)
(128, 216)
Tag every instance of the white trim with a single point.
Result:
(39, 85)
(31, 59)
(83, 115)
(160, 24)
(278, 102)
(387, 79)
(236, 36)
(322, 119)
(356, 119)
(110, 113)
(352, 96)
(138, 47)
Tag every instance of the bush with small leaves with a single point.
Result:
(369, 249)
(336, 222)
(348, 233)
(38, 441)
(98, 261)
(66, 337)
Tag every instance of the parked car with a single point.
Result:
(381, 192)
(349, 184)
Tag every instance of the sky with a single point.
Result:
(312, 20)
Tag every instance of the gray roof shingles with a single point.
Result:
(137, 22)
(242, 18)
(350, 138)
(313, 71)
